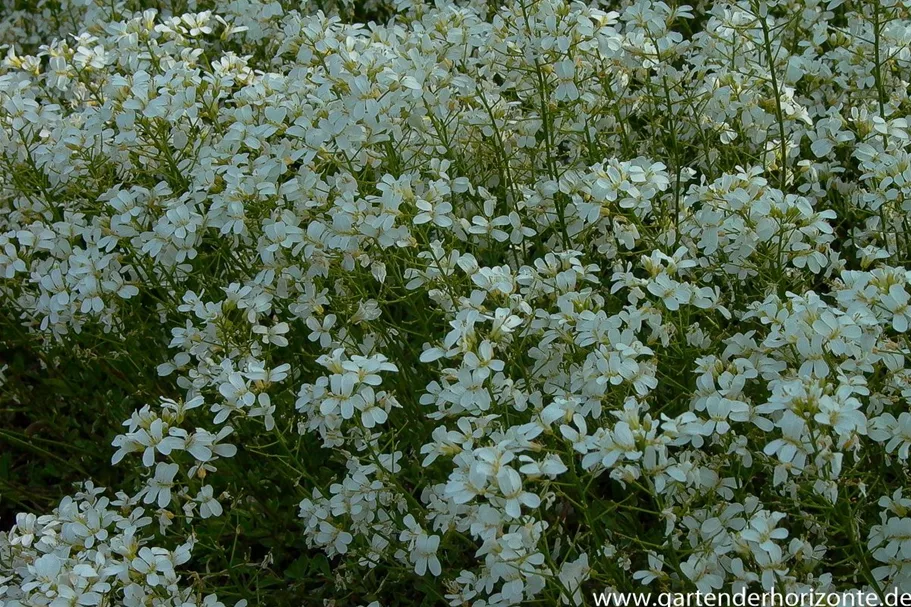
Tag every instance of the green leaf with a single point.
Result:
(298, 569)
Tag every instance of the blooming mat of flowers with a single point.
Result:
(464, 303)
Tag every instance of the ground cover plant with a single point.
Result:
(453, 303)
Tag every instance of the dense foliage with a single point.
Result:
(457, 303)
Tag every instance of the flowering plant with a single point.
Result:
(495, 303)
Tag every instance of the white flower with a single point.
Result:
(669, 291)
(321, 330)
(208, 505)
(274, 334)
(424, 555)
(510, 484)
(333, 537)
(572, 575)
(897, 302)
(158, 488)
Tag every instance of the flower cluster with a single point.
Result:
(503, 301)
(94, 551)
